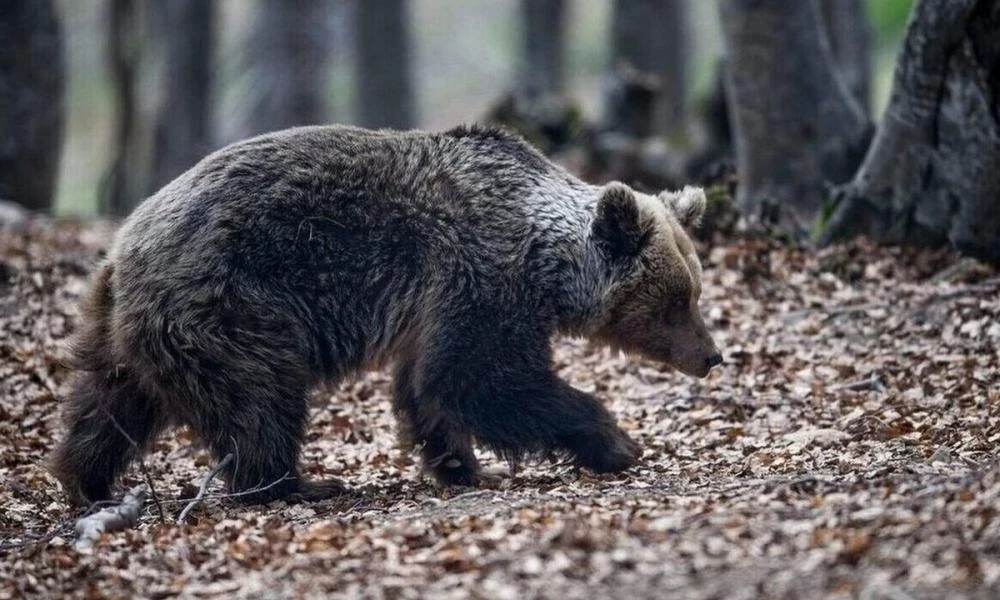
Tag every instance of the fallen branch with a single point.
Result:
(113, 518)
(142, 463)
(204, 488)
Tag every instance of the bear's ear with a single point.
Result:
(688, 205)
(620, 223)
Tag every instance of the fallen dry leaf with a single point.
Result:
(846, 448)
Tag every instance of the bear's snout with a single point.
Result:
(715, 359)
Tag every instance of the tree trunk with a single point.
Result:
(182, 121)
(795, 124)
(289, 51)
(537, 106)
(849, 35)
(542, 76)
(932, 173)
(122, 188)
(648, 42)
(714, 153)
(32, 80)
(384, 95)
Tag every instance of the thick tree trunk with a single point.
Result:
(384, 95)
(289, 51)
(182, 121)
(795, 124)
(932, 173)
(32, 79)
(648, 43)
(849, 35)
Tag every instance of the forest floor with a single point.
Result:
(848, 447)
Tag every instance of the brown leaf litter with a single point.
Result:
(846, 448)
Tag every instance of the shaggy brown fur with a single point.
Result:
(304, 255)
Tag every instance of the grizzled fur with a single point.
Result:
(305, 255)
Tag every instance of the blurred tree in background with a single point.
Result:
(657, 93)
(796, 124)
(541, 78)
(287, 54)
(849, 36)
(384, 74)
(183, 130)
(124, 184)
(159, 56)
(932, 174)
(32, 79)
(648, 49)
(538, 104)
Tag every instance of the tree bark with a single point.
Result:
(289, 51)
(32, 82)
(796, 126)
(121, 189)
(849, 34)
(648, 42)
(542, 75)
(182, 121)
(932, 174)
(714, 153)
(536, 105)
(384, 95)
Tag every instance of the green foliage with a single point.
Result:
(826, 211)
(718, 196)
(888, 18)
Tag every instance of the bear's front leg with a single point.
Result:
(531, 412)
(445, 449)
(596, 443)
(487, 370)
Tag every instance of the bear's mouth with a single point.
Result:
(699, 369)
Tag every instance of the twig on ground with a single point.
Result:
(961, 270)
(62, 527)
(872, 382)
(229, 495)
(204, 488)
(985, 287)
(30, 539)
(831, 312)
(472, 494)
(142, 463)
(114, 518)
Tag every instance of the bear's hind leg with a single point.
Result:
(262, 425)
(110, 422)
(445, 450)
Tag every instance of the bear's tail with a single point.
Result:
(109, 419)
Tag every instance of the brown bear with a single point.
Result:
(308, 254)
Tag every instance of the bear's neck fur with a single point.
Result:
(563, 210)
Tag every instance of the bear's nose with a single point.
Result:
(714, 359)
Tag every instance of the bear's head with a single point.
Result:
(651, 304)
